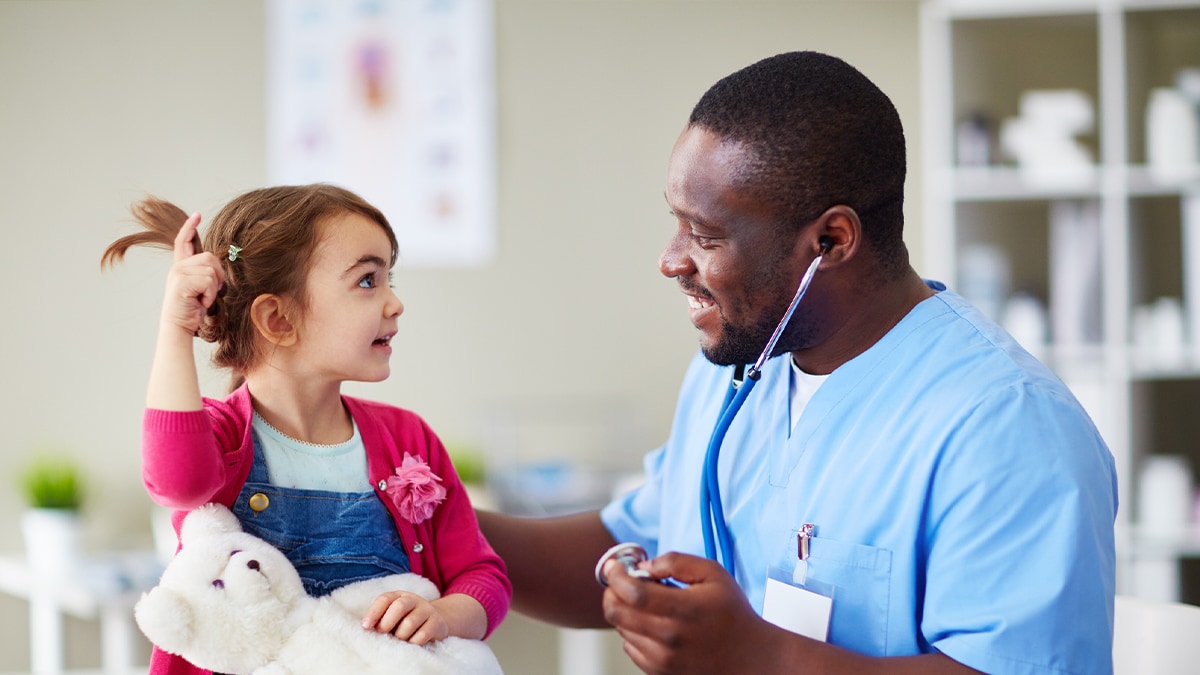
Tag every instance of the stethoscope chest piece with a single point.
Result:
(628, 555)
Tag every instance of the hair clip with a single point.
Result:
(234, 250)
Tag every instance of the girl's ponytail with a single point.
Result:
(161, 220)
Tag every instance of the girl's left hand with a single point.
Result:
(408, 616)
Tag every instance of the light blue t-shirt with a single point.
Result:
(963, 500)
(292, 463)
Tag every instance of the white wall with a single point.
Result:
(102, 101)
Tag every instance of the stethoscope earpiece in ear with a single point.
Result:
(826, 243)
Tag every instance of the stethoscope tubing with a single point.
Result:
(712, 511)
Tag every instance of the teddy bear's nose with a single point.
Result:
(253, 564)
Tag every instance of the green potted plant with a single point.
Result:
(471, 467)
(52, 482)
(52, 486)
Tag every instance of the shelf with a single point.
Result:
(1156, 5)
(116, 579)
(977, 184)
(1139, 542)
(1147, 372)
(1009, 183)
(1144, 182)
(1077, 362)
(996, 9)
(1000, 9)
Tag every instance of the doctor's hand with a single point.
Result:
(707, 627)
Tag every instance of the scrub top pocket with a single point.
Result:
(861, 576)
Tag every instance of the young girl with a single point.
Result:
(292, 284)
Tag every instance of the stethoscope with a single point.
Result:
(712, 512)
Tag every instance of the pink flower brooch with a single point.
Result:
(415, 489)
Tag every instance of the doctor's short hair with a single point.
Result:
(819, 134)
(275, 231)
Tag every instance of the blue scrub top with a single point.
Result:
(964, 501)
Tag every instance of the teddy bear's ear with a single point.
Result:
(166, 618)
(208, 520)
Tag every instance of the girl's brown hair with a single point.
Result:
(276, 232)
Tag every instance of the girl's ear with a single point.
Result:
(269, 314)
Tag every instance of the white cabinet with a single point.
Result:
(1080, 221)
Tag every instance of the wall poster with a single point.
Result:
(393, 99)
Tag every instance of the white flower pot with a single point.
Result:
(52, 541)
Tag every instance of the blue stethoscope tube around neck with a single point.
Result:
(712, 512)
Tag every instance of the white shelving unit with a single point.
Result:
(978, 57)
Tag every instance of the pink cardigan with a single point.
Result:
(192, 458)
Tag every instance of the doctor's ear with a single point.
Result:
(839, 233)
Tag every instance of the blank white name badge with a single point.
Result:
(799, 609)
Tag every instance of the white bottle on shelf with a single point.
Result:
(984, 277)
(1172, 134)
(1190, 221)
(1164, 504)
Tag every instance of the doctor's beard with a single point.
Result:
(743, 344)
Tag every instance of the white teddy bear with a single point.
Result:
(232, 603)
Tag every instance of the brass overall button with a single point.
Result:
(259, 501)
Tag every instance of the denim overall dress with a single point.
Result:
(332, 538)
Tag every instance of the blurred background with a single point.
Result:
(566, 337)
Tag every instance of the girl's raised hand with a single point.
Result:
(193, 282)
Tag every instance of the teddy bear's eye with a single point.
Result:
(218, 584)
(234, 552)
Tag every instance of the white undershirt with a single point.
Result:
(803, 386)
(292, 463)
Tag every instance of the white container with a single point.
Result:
(52, 542)
(1169, 342)
(1164, 500)
(1025, 319)
(984, 274)
(1172, 134)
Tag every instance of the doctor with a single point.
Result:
(904, 477)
